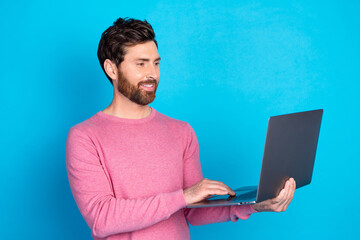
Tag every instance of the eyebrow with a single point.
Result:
(147, 60)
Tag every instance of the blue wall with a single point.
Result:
(226, 67)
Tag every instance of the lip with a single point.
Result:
(148, 86)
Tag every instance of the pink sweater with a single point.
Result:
(128, 175)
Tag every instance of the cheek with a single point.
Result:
(134, 75)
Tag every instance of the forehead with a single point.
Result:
(147, 50)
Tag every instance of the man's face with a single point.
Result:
(139, 73)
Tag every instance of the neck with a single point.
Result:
(122, 107)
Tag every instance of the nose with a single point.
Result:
(153, 72)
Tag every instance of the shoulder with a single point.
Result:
(172, 121)
(176, 125)
(86, 127)
(181, 130)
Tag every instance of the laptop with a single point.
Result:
(290, 148)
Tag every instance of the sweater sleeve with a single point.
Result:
(192, 175)
(91, 186)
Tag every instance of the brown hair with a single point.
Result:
(124, 33)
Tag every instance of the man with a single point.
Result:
(133, 170)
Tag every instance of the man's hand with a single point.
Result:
(206, 188)
(281, 202)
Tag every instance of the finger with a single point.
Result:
(289, 188)
(277, 200)
(217, 187)
(221, 184)
(221, 188)
(231, 192)
(293, 188)
(216, 191)
(283, 194)
(290, 193)
(294, 185)
(216, 182)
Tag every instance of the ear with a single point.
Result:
(111, 69)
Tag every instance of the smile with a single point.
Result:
(148, 87)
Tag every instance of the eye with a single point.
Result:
(140, 64)
(157, 63)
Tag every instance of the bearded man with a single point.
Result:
(133, 170)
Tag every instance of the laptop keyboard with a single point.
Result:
(250, 195)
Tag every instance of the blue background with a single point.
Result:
(226, 67)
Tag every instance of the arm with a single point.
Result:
(92, 189)
(192, 177)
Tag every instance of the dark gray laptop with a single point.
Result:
(290, 149)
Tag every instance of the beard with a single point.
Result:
(135, 93)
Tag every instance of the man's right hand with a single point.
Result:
(204, 189)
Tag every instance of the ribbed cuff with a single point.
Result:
(176, 201)
(243, 212)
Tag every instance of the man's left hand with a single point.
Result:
(279, 203)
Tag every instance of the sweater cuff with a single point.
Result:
(176, 201)
(243, 212)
